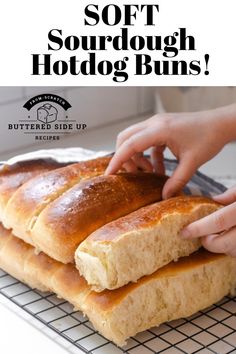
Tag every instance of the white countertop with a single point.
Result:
(21, 337)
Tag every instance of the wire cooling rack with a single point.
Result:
(210, 331)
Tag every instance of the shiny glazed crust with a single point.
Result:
(14, 176)
(67, 221)
(31, 198)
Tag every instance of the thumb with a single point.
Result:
(227, 197)
(180, 177)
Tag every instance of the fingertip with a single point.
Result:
(191, 231)
(168, 191)
(130, 166)
(208, 242)
(109, 170)
(185, 233)
(204, 243)
(144, 164)
(225, 197)
(219, 197)
(165, 191)
(165, 194)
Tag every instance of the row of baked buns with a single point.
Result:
(108, 244)
(177, 290)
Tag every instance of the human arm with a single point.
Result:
(194, 138)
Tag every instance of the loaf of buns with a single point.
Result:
(67, 221)
(14, 176)
(28, 201)
(57, 210)
(177, 290)
(140, 243)
(40, 271)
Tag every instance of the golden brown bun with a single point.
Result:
(140, 243)
(40, 271)
(13, 255)
(13, 176)
(32, 197)
(175, 291)
(67, 221)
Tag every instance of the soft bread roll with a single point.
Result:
(175, 291)
(28, 201)
(141, 242)
(13, 176)
(70, 285)
(40, 271)
(62, 279)
(67, 221)
(13, 255)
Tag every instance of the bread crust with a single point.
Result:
(148, 216)
(175, 291)
(33, 196)
(14, 176)
(141, 242)
(67, 221)
(40, 271)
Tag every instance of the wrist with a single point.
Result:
(224, 123)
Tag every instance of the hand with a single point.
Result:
(193, 138)
(217, 230)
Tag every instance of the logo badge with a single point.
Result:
(47, 118)
(47, 113)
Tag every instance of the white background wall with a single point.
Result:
(97, 107)
(189, 99)
(109, 110)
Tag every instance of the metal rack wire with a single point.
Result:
(210, 331)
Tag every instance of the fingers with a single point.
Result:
(130, 166)
(227, 197)
(157, 159)
(128, 132)
(221, 220)
(142, 162)
(138, 142)
(182, 174)
(138, 161)
(224, 243)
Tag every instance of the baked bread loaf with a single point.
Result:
(31, 198)
(175, 291)
(68, 220)
(140, 243)
(13, 255)
(40, 271)
(13, 176)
